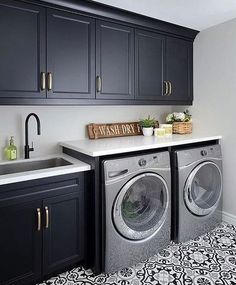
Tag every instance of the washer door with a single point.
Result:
(203, 189)
(141, 205)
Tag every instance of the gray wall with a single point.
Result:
(64, 123)
(215, 97)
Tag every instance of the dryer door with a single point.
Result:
(141, 206)
(203, 188)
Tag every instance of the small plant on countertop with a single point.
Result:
(179, 117)
(148, 122)
(147, 125)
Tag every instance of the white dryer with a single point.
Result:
(197, 191)
(137, 208)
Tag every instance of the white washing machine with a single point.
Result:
(137, 208)
(197, 192)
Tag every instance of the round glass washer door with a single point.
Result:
(141, 206)
(203, 189)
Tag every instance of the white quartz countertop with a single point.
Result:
(101, 147)
(76, 166)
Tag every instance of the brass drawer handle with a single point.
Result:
(170, 88)
(47, 217)
(49, 81)
(39, 219)
(166, 88)
(99, 84)
(43, 80)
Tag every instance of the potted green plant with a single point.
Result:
(147, 125)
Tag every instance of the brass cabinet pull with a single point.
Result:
(43, 80)
(170, 88)
(39, 219)
(99, 84)
(47, 217)
(166, 88)
(49, 81)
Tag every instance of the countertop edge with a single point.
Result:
(135, 148)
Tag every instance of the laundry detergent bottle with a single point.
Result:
(11, 150)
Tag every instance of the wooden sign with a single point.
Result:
(97, 131)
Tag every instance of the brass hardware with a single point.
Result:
(49, 81)
(43, 80)
(39, 219)
(166, 88)
(47, 218)
(170, 88)
(99, 84)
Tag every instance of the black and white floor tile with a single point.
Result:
(207, 260)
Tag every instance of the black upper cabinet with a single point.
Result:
(163, 68)
(22, 49)
(114, 61)
(70, 55)
(149, 63)
(64, 231)
(178, 69)
(20, 243)
(50, 56)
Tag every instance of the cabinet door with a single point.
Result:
(22, 49)
(179, 65)
(20, 244)
(114, 61)
(70, 55)
(149, 62)
(63, 231)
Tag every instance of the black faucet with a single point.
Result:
(27, 148)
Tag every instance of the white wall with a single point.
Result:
(64, 123)
(197, 15)
(214, 108)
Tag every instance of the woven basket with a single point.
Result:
(182, 128)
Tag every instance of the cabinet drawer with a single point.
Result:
(41, 188)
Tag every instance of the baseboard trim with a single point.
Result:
(229, 218)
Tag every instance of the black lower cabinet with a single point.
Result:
(20, 244)
(42, 227)
(63, 232)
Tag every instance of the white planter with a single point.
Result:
(147, 132)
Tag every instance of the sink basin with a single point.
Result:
(16, 167)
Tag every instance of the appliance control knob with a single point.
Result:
(203, 152)
(142, 162)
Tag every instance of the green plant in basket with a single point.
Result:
(188, 117)
(148, 122)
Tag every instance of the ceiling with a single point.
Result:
(195, 14)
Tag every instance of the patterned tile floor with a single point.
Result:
(207, 260)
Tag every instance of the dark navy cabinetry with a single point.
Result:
(42, 228)
(115, 61)
(63, 241)
(163, 67)
(149, 63)
(20, 243)
(70, 55)
(85, 53)
(22, 50)
(179, 69)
